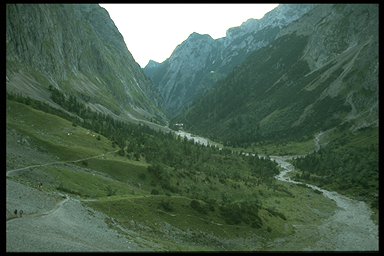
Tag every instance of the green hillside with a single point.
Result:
(206, 197)
(77, 49)
(348, 164)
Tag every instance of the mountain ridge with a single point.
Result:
(180, 87)
(324, 80)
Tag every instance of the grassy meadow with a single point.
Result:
(200, 209)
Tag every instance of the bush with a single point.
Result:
(121, 152)
(276, 213)
(198, 207)
(166, 206)
(246, 212)
(211, 204)
(155, 169)
(61, 187)
(142, 176)
(154, 192)
(110, 190)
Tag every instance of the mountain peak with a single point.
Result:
(199, 61)
(152, 64)
(197, 36)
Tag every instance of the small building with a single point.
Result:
(179, 126)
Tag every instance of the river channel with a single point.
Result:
(349, 229)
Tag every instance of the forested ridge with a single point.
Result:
(349, 164)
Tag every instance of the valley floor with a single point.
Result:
(350, 228)
(69, 225)
(76, 209)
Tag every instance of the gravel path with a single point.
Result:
(54, 224)
(349, 229)
(31, 201)
(18, 170)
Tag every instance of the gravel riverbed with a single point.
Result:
(350, 228)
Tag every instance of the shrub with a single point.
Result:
(245, 211)
(276, 213)
(142, 176)
(196, 205)
(166, 206)
(154, 192)
(110, 190)
(121, 152)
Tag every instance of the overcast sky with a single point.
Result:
(152, 31)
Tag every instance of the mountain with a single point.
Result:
(184, 74)
(320, 71)
(200, 61)
(77, 49)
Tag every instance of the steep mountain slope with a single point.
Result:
(184, 74)
(321, 71)
(199, 62)
(78, 50)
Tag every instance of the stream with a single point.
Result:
(349, 229)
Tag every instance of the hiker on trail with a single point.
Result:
(21, 213)
(15, 212)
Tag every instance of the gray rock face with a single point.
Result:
(199, 62)
(185, 73)
(344, 41)
(319, 72)
(79, 50)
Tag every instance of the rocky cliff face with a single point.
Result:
(199, 62)
(79, 50)
(254, 34)
(182, 76)
(319, 72)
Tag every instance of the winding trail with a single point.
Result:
(37, 215)
(70, 226)
(14, 172)
(63, 226)
(349, 229)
